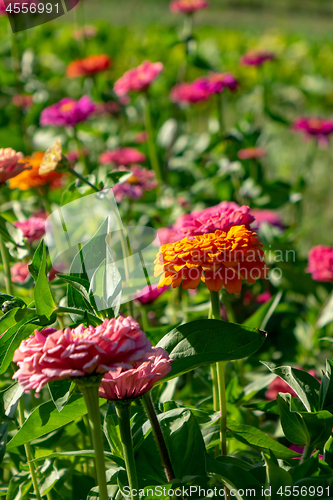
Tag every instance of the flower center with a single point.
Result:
(69, 106)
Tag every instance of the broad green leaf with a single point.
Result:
(207, 341)
(80, 284)
(257, 439)
(326, 388)
(261, 317)
(45, 305)
(14, 337)
(328, 451)
(234, 476)
(36, 263)
(292, 423)
(11, 318)
(80, 453)
(319, 425)
(46, 418)
(60, 391)
(305, 386)
(326, 314)
(276, 478)
(307, 468)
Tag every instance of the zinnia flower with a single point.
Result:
(11, 164)
(122, 156)
(267, 216)
(264, 297)
(33, 229)
(313, 127)
(133, 383)
(31, 178)
(219, 259)
(320, 263)
(22, 101)
(88, 66)
(256, 57)
(55, 355)
(169, 235)
(222, 216)
(251, 153)
(68, 112)
(188, 6)
(217, 82)
(135, 186)
(138, 79)
(189, 93)
(19, 272)
(150, 293)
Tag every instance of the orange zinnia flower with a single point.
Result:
(219, 259)
(30, 178)
(88, 66)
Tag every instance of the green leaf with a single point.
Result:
(305, 469)
(319, 425)
(305, 386)
(261, 317)
(254, 437)
(60, 391)
(12, 318)
(46, 418)
(119, 175)
(328, 451)
(234, 476)
(326, 388)
(203, 342)
(80, 453)
(276, 478)
(13, 338)
(292, 423)
(36, 263)
(326, 314)
(45, 305)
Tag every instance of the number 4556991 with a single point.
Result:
(31, 8)
(303, 491)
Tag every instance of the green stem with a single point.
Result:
(219, 100)
(213, 372)
(216, 313)
(90, 394)
(83, 179)
(308, 449)
(123, 410)
(151, 144)
(144, 318)
(28, 452)
(150, 410)
(6, 267)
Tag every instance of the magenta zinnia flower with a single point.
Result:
(11, 164)
(138, 79)
(267, 216)
(314, 127)
(256, 57)
(33, 228)
(168, 235)
(320, 263)
(133, 383)
(122, 156)
(150, 293)
(70, 353)
(188, 6)
(135, 186)
(217, 82)
(189, 93)
(19, 272)
(221, 217)
(68, 112)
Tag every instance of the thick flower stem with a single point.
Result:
(28, 452)
(151, 144)
(90, 394)
(150, 410)
(124, 414)
(6, 267)
(308, 449)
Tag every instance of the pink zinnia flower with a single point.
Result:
(33, 228)
(138, 79)
(70, 353)
(264, 297)
(188, 6)
(23, 101)
(150, 293)
(256, 57)
(189, 93)
(68, 112)
(267, 216)
(133, 383)
(320, 263)
(122, 156)
(169, 235)
(11, 164)
(135, 186)
(217, 82)
(314, 127)
(221, 217)
(141, 137)
(300, 449)
(19, 272)
(251, 153)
